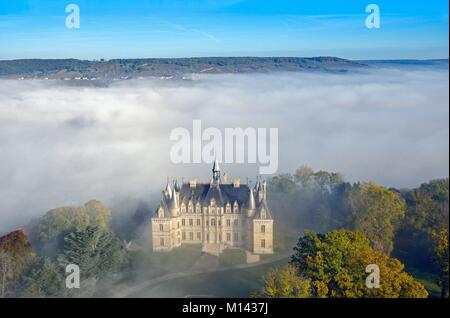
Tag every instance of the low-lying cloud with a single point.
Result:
(63, 145)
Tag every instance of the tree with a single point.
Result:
(97, 252)
(49, 231)
(16, 255)
(284, 183)
(43, 280)
(98, 213)
(427, 212)
(311, 200)
(6, 262)
(428, 206)
(304, 175)
(336, 263)
(376, 212)
(441, 258)
(285, 283)
(324, 180)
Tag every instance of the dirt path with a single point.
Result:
(152, 282)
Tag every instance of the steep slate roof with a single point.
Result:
(263, 204)
(223, 193)
(165, 208)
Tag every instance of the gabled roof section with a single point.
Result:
(222, 193)
(263, 205)
(164, 206)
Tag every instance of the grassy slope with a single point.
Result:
(146, 264)
(235, 283)
(428, 280)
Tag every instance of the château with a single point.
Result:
(217, 214)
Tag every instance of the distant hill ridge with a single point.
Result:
(166, 67)
(120, 69)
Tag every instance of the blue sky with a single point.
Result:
(179, 28)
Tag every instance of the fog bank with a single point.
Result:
(62, 145)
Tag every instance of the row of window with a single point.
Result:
(212, 210)
(198, 208)
(213, 223)
(199, 235)
(191, 236)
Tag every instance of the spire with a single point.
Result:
(216, 167)
(251, 201)
(176, 186)
(173, 204)
(251, 205)
(168, 189)
(216, 170)
(257, 184)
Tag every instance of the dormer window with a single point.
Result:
(263, 213)
(235, 207)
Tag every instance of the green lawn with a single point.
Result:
(233, 283)
(428, 280)
(146, 264)
(231, 257)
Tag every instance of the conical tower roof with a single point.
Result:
(251, 200)
(216, 171)
(168, 189)
(216, 167)
(176, 186)
(173, 203)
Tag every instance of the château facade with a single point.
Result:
(217, 215)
